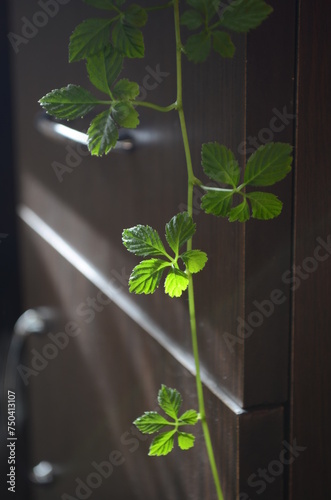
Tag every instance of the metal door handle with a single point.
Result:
(32, 322)
(62, 133)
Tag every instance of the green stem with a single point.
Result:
(163, 109)
(210, 188)
(117, 10)
(191, 181)
(202, 411)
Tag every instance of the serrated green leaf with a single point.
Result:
(128, 40)
(162, 444)
(194, 260)
(191, 19)
(135, 16)
(217, 202)
(219, 164)
(68, 102)
(104, 67)
(169, 400)
(197, 5)
(88, 38)
(146, 276)
(102, 134)
(150, 422)
(198, 46)
(104, 4)
(125, 114)
(206, 7)
(176, 283)
(143, 241)
(185, 440)
(239, 213)
(125, 90)
(264, 205)
(244, 15)
(222, 44)
(269, 164)
(179, 230)
(190, 417)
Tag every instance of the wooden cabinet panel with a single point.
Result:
(227, 97)
(96, 374)
(310, 278)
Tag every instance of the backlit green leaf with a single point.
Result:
(178, 230)
(104, 67)
(194, 260)
(162, 444)
(176, 283)
(169, 400)
(102, 134)
(240, 212)
(146, 276)
(125, 90)
(269, 164)
(125, 114)
(150, 422)
(208, 8)
(192, 19)
(264, 205)
(219, 164)
(128, 40)
(185, 440)
(69, 102)
(143, 241)
(244, 15)
(198, 46)
(135, 16)
(217, 202)
(222, 44)
(88, 38)
(190, 417)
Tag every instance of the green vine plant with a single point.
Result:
(103, 42)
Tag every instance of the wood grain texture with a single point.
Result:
(270, 117)
(84, 399)
(252, 372)
(310, 279)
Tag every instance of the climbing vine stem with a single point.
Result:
(191, 181)
(268, 165)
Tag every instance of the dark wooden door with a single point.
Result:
(310, 401)
(104, 353)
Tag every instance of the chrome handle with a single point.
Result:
(42, 473)
(62, 133)
(32, 322)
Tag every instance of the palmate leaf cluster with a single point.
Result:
(210, 18)
(268, 165)
(145, 241)
(150, 422)
(103, 42)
